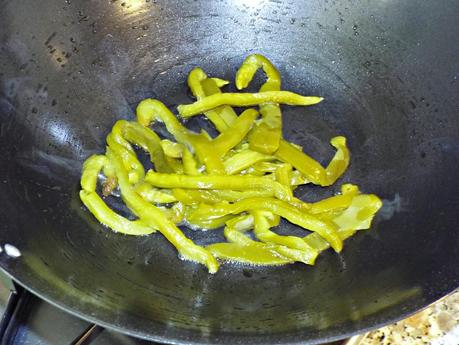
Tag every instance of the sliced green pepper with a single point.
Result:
(242, 249)
(135, 169)
(154, 195)
(202, 86)
(357, 216)
(245, 100)
(208, 151)
(250, 66)
(237, 182)
(153, 216)
(91, 169)
(150, 110)
(171, 149)
(196, 196)
(234, 134)
(324, 228)
(335, 202)
(243, 160)
(208, 224)
(266, 134)
(312, 169)
(190, 166)
(291, 247)
(225, 112)
(283, 174)
(339, 162)
(148, 141)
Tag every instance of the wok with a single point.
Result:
(388, 71)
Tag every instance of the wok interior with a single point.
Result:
(389, 87)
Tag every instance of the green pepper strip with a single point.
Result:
(266, 134)
(152, 215)
(339, 162)
(324, 228)
(297, 179)
(245, 100)
(173, 151)
(243, 249)
(208, 151)
(234, 134)
(357, 216)
(202, 86)
(190, 166)
(360, 212)
(283, 174)
(91, 169)
(197, 196)
(135, 169)
(150, 110)
(250, 66)
(267, 167)
(243, 160)
(225, 112)
(335, 202)
(175, 214)
(312, 169)
(291, 247)
(238, 182)
(219, 82)
(236, 226)
(154, 195)
(208, 224)
(149, 141)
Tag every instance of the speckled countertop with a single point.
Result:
(435, 325)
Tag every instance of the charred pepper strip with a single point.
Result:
(266, 134)
(245, 100)
(218, 182)
(152, 215)
(91, 169)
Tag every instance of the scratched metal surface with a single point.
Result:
(388, 71)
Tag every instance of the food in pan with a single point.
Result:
(242, 180)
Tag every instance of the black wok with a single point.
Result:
(389, 73)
